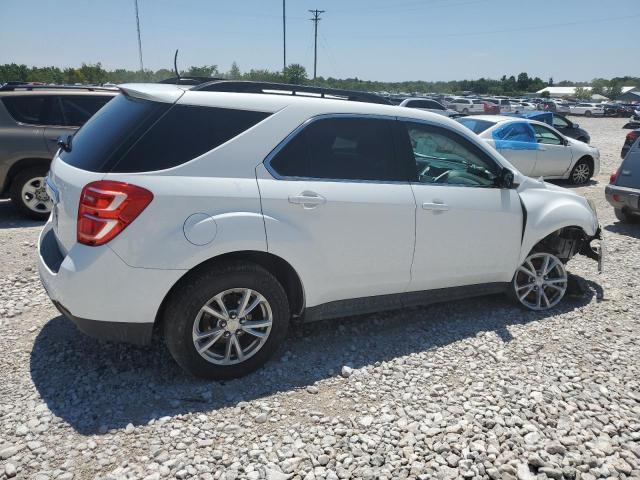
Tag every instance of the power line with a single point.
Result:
(316, 18)
(139, 38)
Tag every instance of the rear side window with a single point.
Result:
(28, 109)
(476, 126)
(515, 132)
(184, 133)
(133, 135)
(341, 149)
(77, 110)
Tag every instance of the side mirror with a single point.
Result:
(575, 125)
(506, 179)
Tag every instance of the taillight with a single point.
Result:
(614, 175)
(632, 136)
(106, 208)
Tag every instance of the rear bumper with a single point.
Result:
(102, 295)
(627, 199)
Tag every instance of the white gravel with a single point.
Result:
(473, 389)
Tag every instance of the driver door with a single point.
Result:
(554, 153)
(467, 229)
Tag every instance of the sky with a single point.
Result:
(370, 39)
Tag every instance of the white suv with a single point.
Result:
(219, 217)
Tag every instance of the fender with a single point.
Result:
(550, 208)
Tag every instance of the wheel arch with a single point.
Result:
(277, 266)
(20, 165)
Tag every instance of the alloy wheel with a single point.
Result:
(581, 173)
(232, 326)
(35, 196)
(540, 282)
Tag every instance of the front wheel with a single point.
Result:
(29, 195)
(227, 321)
(587, 113)
(540, 283)
(581, 173)
(465, 111)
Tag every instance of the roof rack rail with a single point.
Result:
(92, 88)
(189, 80)
(245, 86)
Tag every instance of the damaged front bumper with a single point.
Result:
(594, 251)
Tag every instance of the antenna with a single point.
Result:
(284, 35)
(139, 38)
(175, 67)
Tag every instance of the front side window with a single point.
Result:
(476, 126)
(341, 149)
(445, 157)
(78, 109)
(515, 132)
(560, 122)
(546, 136)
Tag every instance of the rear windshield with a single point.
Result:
(132, 135)
(477, 126)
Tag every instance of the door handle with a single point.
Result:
(307, 199)
(435, 207)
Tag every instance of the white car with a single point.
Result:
(219, 217)
(523, 107)
(537, 149)
(466, 105)
(428, 105)
(587, 109)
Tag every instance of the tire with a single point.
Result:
(465, 111)
(534, 288)
(587, 113)
(29, 184)
(184, 318)
(581, 172)
(623, 216)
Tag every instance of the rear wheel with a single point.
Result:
(581, 173)
(587, 113)
(623, 216)
(540, 283)
(226, 322)
(29, 195)
(465, 111)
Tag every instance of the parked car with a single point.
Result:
(503, 103)
(195, 210)
(617, 110)
(428, 105)
(587, 109)
(466, 105)
(560, 123)
(537, 149)
(555, 106)
(623, 191)
(631, 137)
(491, 108)
(31, 120)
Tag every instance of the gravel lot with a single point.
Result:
(473, 389)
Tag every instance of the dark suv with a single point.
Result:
(31, 121)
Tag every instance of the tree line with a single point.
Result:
(297, 74)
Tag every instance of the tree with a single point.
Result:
(523, 82)
(545, 94)
(582, 93)
(550, 82)
(613, 91)
(295, 74)
(203, 71)
(234, 73)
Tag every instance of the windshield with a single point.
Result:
(475, 125)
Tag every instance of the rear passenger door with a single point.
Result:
(517, 143)
(339, 207)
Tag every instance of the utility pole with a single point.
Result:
(284, 35)
(315, 20)
(139, 38)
